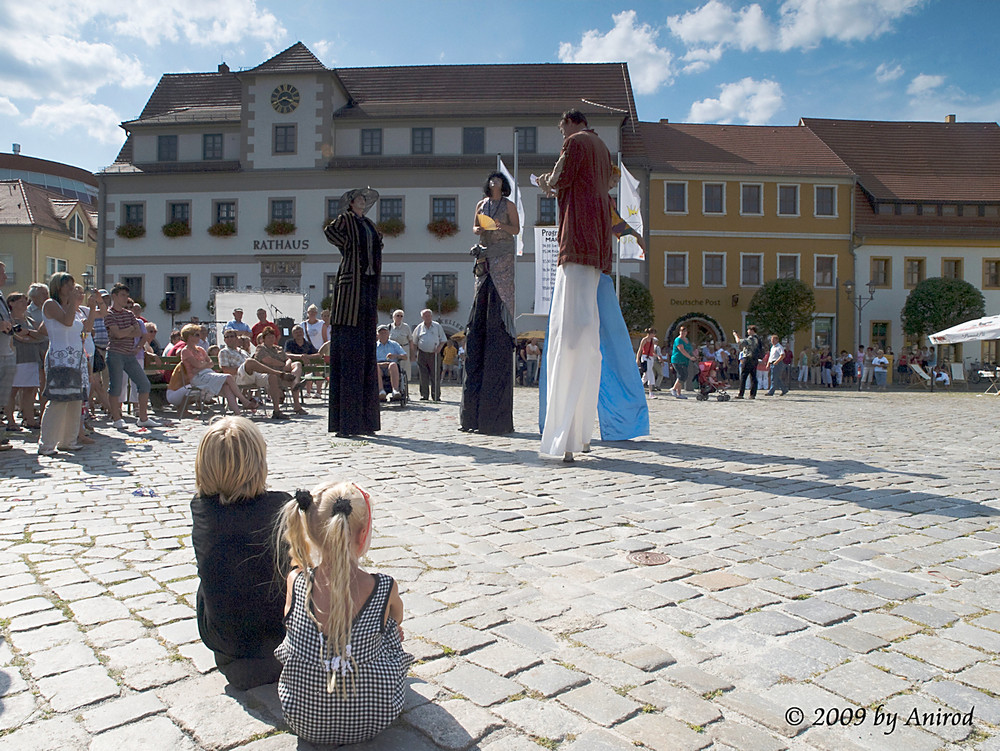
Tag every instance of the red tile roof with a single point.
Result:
(869, 224)
(738, 150)
(23, 204)
(917, 161)
(296, 58)
(477, 90)
(181, 91)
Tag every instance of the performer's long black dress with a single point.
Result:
(488, 389)
(354, 384)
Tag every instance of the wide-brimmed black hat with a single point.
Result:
(370, 194)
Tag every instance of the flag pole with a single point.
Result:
(618, 244)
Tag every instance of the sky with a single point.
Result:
(71, 71)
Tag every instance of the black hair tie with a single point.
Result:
(304, 499)
(341, 506)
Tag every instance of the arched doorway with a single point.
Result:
(702, 329)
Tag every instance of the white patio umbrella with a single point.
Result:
(970, 331)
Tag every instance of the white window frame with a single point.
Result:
(833, 329)
(55, 265)
(687, 197)
(833, 279)
(236, 280)
(704, 210)
(704, 280)
(752, 213)
(687, 270)
(761, 282)
(798, 265)
(798, 199)
(76, 223)
(836, 208)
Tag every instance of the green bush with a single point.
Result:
(636, 303)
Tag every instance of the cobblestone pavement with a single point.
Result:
(833, 559)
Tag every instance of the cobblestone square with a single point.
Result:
(830, 553)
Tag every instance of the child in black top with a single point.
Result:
(241, 595)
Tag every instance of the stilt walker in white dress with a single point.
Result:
(581, 179)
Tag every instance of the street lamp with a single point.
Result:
(88, 280)
(859, 304)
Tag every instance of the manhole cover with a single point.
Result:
(648, 559)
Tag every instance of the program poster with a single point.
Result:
(546, 259)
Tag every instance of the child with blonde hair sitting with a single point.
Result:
(342, 658)
(240, 596)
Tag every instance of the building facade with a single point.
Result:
(227, 178)
(42, 232)
(732, 207)
(926, 204)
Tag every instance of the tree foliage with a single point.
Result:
(782, 307)
(940, 303)
(637, 304)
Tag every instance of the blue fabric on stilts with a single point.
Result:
(621, 402)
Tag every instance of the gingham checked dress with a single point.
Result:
(380, 667)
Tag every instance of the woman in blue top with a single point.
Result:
(681, 360)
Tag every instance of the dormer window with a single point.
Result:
(77, 229)
(166, 149)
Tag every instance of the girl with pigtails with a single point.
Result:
(342, 658)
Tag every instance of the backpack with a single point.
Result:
(755, 350)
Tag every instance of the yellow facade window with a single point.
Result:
(913, 272)
(951, 268)
(991, 273)
(881, 272)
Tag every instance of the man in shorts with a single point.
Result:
(249, 373)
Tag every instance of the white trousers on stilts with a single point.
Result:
(572, 361)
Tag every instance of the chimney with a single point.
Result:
(664, 121)
(223, 68)
(16, 148)
(949, 118)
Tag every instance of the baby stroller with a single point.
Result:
(708, 383)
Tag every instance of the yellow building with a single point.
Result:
(42, 232)
(732, 207)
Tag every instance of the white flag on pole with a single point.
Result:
(632, 215)
(520, 208)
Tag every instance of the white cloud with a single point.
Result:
(696, 67)
(749, 101)
(323, 49)
(716, 24)
(650, 66)
(37, 66)
(924, 84)
(152, 21)
(99, 121)
(801, 24)
(7, 107)
(884, 73)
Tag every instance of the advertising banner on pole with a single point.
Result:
(632, 215)
(546, 259)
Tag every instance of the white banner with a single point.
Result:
(520, 208)
(546, 260)
(632, 215)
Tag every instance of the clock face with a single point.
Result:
(285, 98)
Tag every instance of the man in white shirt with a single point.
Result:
(249, 372)
(776, 364)
(428, 337)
